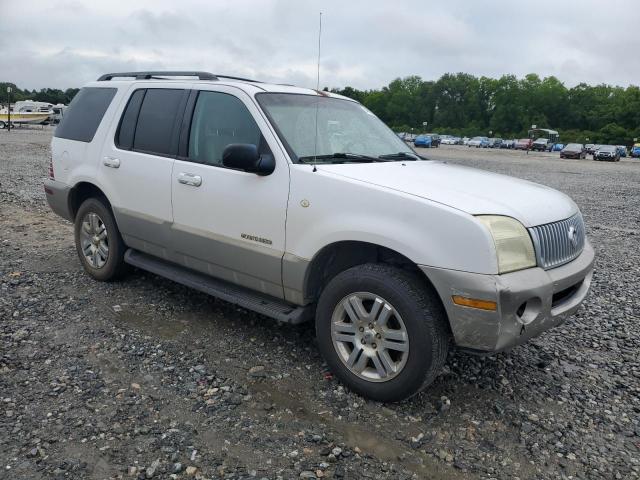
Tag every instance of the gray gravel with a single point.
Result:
(147, 379)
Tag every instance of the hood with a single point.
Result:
(468, 189)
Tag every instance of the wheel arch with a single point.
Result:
(82, 191)
(339, 256)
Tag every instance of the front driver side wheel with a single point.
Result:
(382, 331)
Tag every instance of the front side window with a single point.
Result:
(342, 127)
(220, 119)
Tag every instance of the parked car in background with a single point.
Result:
(423, 141)
(622, 150)
(608, 153)
(591, 148)
(507, 144)
(542, 145)
(574, 150)
(523, 144)
(465, 140)
(435, 139)
(635, 151)
(557, 147)
(447, 140)
(478, 142)
(495, 142)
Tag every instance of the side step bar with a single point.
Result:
(243, 297)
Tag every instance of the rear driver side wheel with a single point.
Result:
(382, 331)
(98, 241)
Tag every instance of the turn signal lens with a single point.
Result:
(475, 303)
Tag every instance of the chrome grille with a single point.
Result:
(553, 241)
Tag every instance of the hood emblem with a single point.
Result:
(572, 233)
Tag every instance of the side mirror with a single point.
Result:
(245, 156)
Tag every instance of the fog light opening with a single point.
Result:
(528, 311)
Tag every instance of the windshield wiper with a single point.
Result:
(340, 157)
(401, 155)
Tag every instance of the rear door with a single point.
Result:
(229, 223)
(137, 162)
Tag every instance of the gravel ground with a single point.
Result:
(147, 379)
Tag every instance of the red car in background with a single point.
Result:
(523, 144)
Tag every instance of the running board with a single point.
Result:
(243, 297)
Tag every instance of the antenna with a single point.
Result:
(319, 38)
(315, 146)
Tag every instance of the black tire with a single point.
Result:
(422, 313)
(114, 267)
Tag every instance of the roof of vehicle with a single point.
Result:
(204, 78)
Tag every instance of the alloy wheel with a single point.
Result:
(94, 240)
(370, 337)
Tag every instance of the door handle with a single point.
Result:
(111, 162)
(190, 179)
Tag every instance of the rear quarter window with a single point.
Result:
(83, 117)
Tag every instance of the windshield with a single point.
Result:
(573, 146)
(343, 127)
(607, 148)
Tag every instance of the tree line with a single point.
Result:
(465, 105)
(49, 95)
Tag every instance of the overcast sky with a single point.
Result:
(365, 44)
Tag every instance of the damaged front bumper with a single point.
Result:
(528, 302)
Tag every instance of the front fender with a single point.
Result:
(324, 209)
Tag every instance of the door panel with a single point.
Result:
(229, 223)
(135, 172)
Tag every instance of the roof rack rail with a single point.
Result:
(150, 75)
(157, 74)
(237, 78)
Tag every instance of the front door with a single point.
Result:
(229, 223)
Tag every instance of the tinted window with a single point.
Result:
(220, 119)
(158, 115)
(127, 128)
(82, 118)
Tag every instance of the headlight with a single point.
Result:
(513, 243)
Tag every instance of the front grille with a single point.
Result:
(559, 242)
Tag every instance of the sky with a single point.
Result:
(365, 44)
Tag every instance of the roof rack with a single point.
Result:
(158, 75)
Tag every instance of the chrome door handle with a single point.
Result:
(190, 179)
(111, 162)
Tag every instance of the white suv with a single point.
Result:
(300, 205)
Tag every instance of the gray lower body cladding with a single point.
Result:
(58, 198)
(529, 302)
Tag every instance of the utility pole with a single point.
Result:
(8, 109)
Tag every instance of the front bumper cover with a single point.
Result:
(529, 301)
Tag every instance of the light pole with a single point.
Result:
(8, 109)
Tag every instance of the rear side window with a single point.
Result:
(83, 117)
(156, 129)
(220, 119)
(127, 128)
